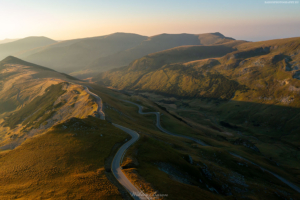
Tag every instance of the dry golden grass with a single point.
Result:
(62, 164)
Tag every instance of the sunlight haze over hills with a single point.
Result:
(61, 20)
(140, 99)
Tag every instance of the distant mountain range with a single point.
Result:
(17, 47)
(85, 57)
(7, 40)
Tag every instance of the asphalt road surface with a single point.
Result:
(158, 125)
(116, 168)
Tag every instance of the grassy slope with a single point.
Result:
(155, 146)
(164, 72)
(27, 96)
(256, 73)
(36, 109)
(170, 72)
(14, 60)
(62, 164)
(9, 102)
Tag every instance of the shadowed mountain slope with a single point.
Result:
(154, 44)
(192, 71)
(84, 57)
(263, 72)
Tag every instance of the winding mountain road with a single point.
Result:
(158, 125)
(293, 186)
(116, 168)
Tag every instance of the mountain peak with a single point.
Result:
(35, 38)
(15, 60)
(10, 60)
(218, 34)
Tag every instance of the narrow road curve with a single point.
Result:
(295, 187)
(99, 102)
(158, 125)
(115, 166)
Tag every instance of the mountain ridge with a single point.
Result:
(86, 56)
(18, 46)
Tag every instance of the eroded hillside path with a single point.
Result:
(99, 102)
(115, 166)
(158, 125)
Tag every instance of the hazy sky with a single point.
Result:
(67, 19)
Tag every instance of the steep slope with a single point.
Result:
(73, 55)
(155, 44)
(166, 71)
(34, 98)
(63, 163)
(18, 46)
(191, 71)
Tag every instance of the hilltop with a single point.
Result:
(34, 98)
